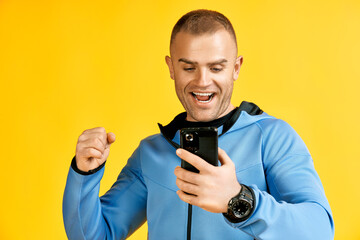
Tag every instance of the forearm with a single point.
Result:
(281, 220)
(81, 206)
(117, 214)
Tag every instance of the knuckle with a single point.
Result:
(101, 129)
(81, 137)
(180, 174)
(102, 137)
(191, 188)
(86, 131)
(178, 183)
(97, 143)
(94, 141)
(191, 177)
(79, 147)
(183, 185)
(84, 135)
(183, 174)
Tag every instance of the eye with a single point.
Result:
(216, 69)
(189, 69)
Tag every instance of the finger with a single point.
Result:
(97, 129)
(92, 135)
(186, 175)
(223, 157)
(187, 187)
(102, 137)
(94, 143)
(92, 152)
(111, 138)
(194, 160)
(93, 130)
(191, 199)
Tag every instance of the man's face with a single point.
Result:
(204, 68)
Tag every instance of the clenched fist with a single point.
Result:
(93, 148)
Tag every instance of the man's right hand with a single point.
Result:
(93, 148)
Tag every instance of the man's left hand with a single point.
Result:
(212, 187)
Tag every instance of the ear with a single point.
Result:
(170, 66)
(238, 63)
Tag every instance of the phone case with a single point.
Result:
(202, 141)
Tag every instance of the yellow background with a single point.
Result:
(67, 65)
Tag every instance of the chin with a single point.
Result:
(201, 117)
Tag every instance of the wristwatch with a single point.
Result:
(241, 206)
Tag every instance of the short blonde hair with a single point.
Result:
(202, 21)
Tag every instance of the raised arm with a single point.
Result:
(115, 215)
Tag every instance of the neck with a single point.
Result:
(229, 109)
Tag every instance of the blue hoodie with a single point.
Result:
(269, 156)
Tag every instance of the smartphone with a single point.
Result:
(202, 141)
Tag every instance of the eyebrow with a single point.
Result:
(220, 61)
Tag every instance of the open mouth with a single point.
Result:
(203, 97)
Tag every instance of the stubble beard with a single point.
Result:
(207, 115)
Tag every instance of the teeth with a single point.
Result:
(202, 94)
(210, 95)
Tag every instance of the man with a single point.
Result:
(265, 188)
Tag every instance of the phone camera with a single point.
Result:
(189, 137)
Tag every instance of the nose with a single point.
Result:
(203, 78)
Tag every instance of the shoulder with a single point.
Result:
(274, 125)
(265, 122)
(152, 139)
(154, 143)
(279, 137)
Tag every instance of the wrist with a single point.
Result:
(234, 191)
(91, 171)
(241, 206)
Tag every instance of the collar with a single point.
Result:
(177, 123)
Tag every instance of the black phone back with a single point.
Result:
(202, 141)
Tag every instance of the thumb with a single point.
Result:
(223, 157)
(110, 138)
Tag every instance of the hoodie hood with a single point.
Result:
(247, 113)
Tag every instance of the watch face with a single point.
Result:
(241, 208)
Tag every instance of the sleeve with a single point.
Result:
(115, 215)
(295, 206)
